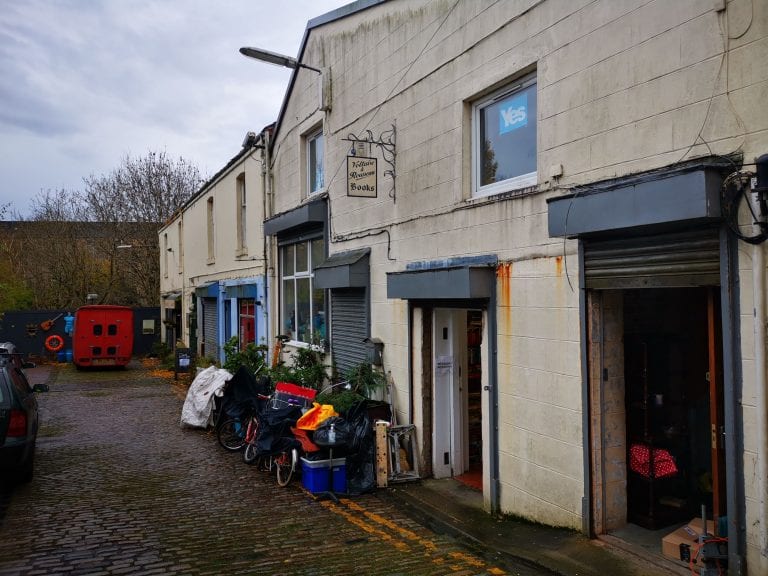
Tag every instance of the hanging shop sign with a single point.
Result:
(361, 177)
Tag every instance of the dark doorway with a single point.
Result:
(673, 395)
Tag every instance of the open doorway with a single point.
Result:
(657, 447)
(457, 425)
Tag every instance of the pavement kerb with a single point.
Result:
(515, 543)
(439, 522)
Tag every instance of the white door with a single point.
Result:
(449, 357)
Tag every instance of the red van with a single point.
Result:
(102, 336)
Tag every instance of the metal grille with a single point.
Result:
(210, 328)
(349, 327)
(659, 261)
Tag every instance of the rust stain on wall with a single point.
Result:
(504, 305)
(559, 265)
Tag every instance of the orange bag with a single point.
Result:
(315, 416)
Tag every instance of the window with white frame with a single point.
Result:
(211, 232)
(504, 139)
(165, 255)
(180, 251)
(302, 314)
(242, 245)
(315, 162)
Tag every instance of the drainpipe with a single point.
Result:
(269, 270)
(758, 291)
(493, 399)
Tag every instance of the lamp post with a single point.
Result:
(287, 62)
(275, 58)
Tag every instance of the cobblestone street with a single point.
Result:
(121, 488)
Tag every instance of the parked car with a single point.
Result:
(19, 421)
(9, 349)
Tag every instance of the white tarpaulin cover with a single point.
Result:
(198, 405)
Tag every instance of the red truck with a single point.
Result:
(102, 336)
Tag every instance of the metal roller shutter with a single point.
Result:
(349, 327)
(210, 328)
(680, 259)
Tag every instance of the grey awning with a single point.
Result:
(172, 296)
(638, 202)
(344, 270)
(464, 282)
(312, 213)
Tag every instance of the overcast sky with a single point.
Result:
(85, 82)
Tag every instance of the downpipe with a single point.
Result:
(761, 398)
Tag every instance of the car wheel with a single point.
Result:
(24, 475)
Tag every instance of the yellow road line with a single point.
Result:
(380, 527)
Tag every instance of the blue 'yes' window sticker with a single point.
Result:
(513, 113)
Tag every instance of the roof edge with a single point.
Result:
(328, 17)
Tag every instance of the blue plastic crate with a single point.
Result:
(314, 475)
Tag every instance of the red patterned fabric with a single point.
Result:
(640, 461)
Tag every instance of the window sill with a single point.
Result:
(505, 193)
(306, 345)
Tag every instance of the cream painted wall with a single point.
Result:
(623, 87)
(193, 268)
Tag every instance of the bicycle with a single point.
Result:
(240, 403)
(231, 434)
(270, 440)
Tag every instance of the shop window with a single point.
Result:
(303, 306)
(315, 162)
(504, 139)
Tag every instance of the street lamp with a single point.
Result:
(275, 58)
(324, 87)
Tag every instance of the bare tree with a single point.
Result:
(144, 190)
(102, 240)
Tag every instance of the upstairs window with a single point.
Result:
(165, 255)
(315, 162)
(504, 139)
(180, 263)
(242, 244)
(211, 233)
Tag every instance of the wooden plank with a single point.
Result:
(382, 454)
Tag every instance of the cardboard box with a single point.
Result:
(687, 535)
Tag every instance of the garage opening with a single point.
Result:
(657, 441)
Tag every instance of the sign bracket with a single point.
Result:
(386, 142)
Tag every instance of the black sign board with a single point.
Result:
(184, 357)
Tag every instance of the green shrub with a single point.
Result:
(252, 356)
(365, 379)
(341, 401)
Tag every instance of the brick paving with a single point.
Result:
(121, 488)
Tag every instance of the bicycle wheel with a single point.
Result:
(285, 463)
(250, 454)
(231, 434)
